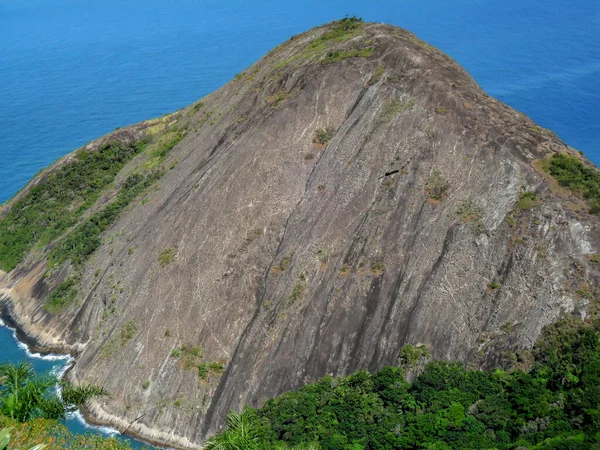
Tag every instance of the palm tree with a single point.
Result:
(25, 395)
(242, 432)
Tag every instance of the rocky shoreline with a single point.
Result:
(94, 414)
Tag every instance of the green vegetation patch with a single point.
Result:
(493, 285)
(527, 200)
(167, 256)
(277, 98)
(297, 290)
(205, 370)
(377, 268)
(159, 150)
(340, 31)
(377, 74)
(56, 203)
(571, 173)
(128, 330)
(437, 186)
(555, 405)
(323, 255)
(192, 357)
(409, 356)
(63, 296)
(338, 55)
(323, 136)
(283, 265)
(83, 240)
(469, 211)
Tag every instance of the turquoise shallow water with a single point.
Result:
(71, 71)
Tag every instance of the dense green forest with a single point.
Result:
(555, 405)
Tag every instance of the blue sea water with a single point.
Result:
(73, 70)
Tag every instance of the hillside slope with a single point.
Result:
(352, 192)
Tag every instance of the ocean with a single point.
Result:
(71, 71)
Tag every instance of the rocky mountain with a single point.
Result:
(353, 192)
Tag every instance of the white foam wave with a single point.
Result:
(34, 355)
(102, 429)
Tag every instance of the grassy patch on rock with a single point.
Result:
(338, 55)
(167, 256)
(128, 330)
(63, 296)
(571, 173)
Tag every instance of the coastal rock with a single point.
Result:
(352, 192)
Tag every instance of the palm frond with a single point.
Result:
(79, 395)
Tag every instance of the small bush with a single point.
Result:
(283, 264)
(440, 110)
(436, 186)
(323, 135)
(377, 268)
(203, 371)
(468, 211)
(493, 285)
(377, 74)
(390, 109)
(167, 256)
(298, 290)
(345, 269)
(197, 107)
(276, 99)
(527, 200)
(409, 355)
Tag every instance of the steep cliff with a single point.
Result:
(352, 192)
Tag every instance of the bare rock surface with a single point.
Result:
(339, 199)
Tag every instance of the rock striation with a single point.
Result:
(352, 192)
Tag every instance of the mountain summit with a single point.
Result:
(351, 193)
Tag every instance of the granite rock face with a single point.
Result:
(350, 193)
